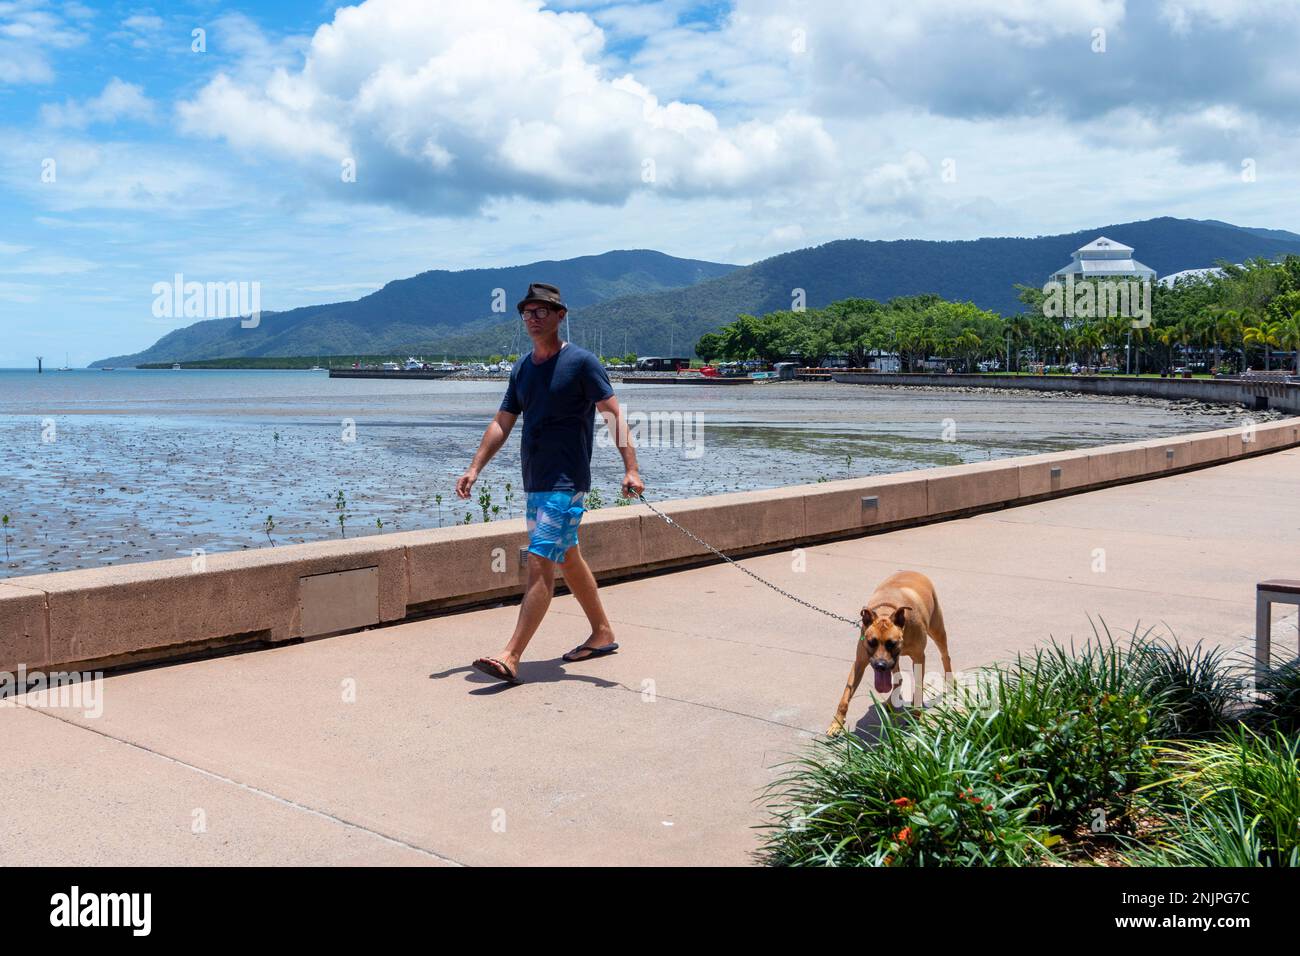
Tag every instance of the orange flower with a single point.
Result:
(903, 802)
(904, 835)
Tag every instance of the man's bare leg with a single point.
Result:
(537, 598)
(582, 583)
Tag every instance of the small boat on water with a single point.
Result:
(729, 373)
(389, 370)
(176, 366)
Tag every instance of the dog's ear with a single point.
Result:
(900, 617)
(867, 617)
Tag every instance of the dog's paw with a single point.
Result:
(836, 728)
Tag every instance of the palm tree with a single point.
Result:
(1056, 338)
(1168, 337)
(1265, 333)
(967, 344)
(1021, 330)
(1113, 330)
(1287, 329)
(1227, 328)
(1089, 337)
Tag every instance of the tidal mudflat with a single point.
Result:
(109, 467)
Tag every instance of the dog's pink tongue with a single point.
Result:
(884, 681)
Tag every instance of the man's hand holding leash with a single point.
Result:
(633, 486)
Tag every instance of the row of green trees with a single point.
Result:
(913, 326)
(1234, 318)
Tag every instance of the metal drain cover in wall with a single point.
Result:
(338, 601)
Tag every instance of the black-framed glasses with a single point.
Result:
(540, 312)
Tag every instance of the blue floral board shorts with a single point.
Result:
(553, 519)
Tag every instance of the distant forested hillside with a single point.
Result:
(982, 271)
(672, 302)
(426, 310)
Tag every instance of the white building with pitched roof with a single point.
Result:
(1104, 259)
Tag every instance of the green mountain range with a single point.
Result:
(419, 313)
(649, 303)
(983, 271)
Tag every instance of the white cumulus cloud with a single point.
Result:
(445, 105)
(119, 100)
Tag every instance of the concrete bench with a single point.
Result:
(1268, 593)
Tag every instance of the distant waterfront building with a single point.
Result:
(1170, 280)
(1104, 259)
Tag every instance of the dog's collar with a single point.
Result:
(889, 604)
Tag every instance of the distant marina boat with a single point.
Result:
(176, 366)
(413, 368)
(728, 373)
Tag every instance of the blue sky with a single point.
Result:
(505, 131)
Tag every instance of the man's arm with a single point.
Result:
(493, 438)
(614, 421)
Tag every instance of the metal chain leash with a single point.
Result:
(740, 567)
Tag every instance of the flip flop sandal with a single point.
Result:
(494, 668)
(591, 652)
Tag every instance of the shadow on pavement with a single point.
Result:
(530, 672)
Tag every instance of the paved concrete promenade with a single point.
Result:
(383, 747)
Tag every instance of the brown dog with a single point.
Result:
(895, 621)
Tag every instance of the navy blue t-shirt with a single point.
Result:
(558, 401)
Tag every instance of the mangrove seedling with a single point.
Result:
(341, 506)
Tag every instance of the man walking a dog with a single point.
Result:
(557, 387)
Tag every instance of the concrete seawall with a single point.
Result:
(1257, 395)
(170, 609)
